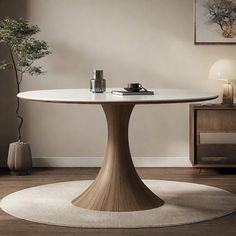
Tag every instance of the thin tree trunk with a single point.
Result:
(17, 99)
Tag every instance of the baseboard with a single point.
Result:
(97, 161)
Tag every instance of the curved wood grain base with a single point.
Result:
(118, 186)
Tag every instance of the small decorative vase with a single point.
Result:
(19, 158)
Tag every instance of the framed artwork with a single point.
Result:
(215, 21)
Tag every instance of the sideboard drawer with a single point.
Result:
(216, 121)
(216, 153)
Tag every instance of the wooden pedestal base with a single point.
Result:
(118, 186)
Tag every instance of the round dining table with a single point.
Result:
(117, 187)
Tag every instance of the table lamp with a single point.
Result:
(225, 69)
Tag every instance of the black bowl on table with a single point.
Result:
(133, 89)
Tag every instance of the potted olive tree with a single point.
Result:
(24, 50)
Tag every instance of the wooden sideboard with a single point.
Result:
(212, 135)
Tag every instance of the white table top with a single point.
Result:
(84, 96)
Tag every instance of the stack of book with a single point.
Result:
(124, 93)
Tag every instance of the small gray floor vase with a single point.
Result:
(185, 203)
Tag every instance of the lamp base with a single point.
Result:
(228, 95)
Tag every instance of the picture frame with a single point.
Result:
(210, 27)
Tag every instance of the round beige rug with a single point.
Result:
(185, 203)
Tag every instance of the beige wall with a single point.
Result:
(149, 41)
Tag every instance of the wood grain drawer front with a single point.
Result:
(216, 120)
(216, 153)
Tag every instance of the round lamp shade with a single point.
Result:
(224, 69)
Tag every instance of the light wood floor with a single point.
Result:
(225, 226)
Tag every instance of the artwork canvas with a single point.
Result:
(215, 21)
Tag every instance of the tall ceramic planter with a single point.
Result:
(19, 158)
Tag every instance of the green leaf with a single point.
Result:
(5, 65)
(13, 31)
(35, 70)
(18, 36)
